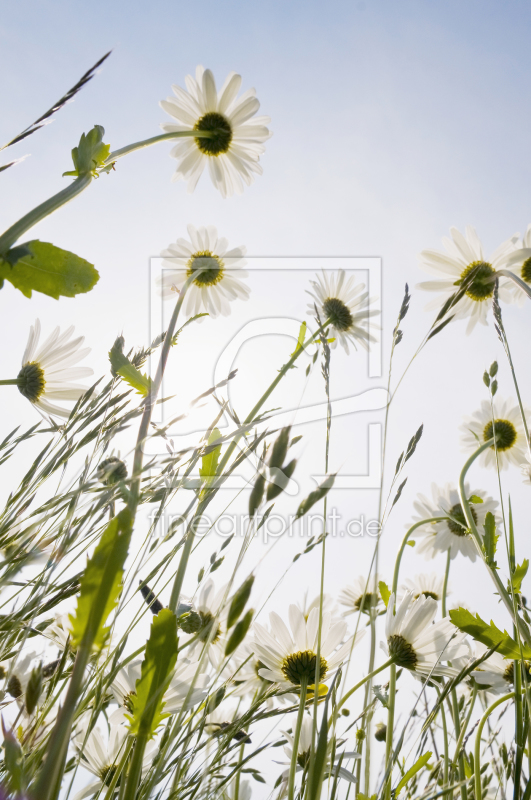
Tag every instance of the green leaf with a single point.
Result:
(176, 335)
(519, 574)
(121, 366)
(239, 601)
(300, 340)
(385, 592)
(90, 154)
(417, 766)
(209, 462)
(490, 540)
(239, 633)
(488, 634)
(475, 499)
(136, 379)
(315, 496)
(42, 267)
(101, 583)
(280, 449)
(215, 699)
(157, 668)
(13, 761)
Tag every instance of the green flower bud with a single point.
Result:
(111, 471)
(380, 734)
(190, 622)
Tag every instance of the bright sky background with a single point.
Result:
(392, 122)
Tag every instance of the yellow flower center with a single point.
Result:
(207, 268)
(30, 381)
(220, 142)
(478, 277)
(504, 431)
(298, 666)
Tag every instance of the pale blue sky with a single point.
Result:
(392, 121)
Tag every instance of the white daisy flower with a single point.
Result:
(526, 468)
(60, 631)
(520, 265)
(417, 644)
(304, 752)
(188, 684)
(452, 533)
(218, 272)
(511, 444)
(360, 596)
(425, 586)
(306, 605)
(290, 657)
(244, 793)
(101, 756)
(208, 620)
(305, 744)
(464, 254)
(233, 153)
(343, 302)
(48, 371)
(243, 671)
(225, 716)
(496, 673)
(19, 676)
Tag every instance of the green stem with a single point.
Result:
(504, 595)
(150, 400)
(326, 374)
(457, 726)
(110, 795)
(163, 137)
(445, 745)
(49, 774)
(13, 234)
(464, 727)
(404, 545)
(519, 738)
(477, 749)
(296, 739)
(366, 701)
(135, 770)
(445, 584)
(13, 382)
(350, 692)
(183, 563)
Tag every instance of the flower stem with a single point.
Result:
(477, 750)
(464, 727)
(13, 382)
(296, 739)
(403, 547)
(149, 402)
(504, 595)
(163, 137)
(13, 234)
(110, 795)
(46, 782)
(445, 584)
(135, 769)
(350, 692)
